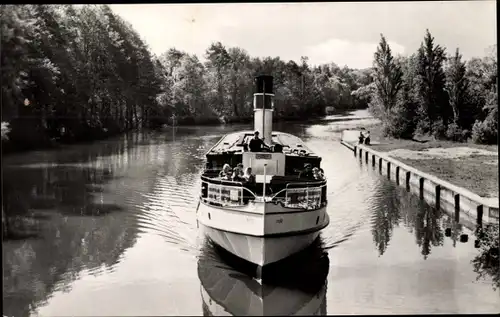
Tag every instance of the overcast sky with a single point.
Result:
(344, 33)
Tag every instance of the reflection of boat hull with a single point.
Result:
(277, 299)
(265, 235)
(293, 287)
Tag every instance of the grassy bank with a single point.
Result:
(475, 172)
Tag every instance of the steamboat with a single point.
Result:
(281, 209)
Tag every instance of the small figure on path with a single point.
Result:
(361, 137)
(367, 138)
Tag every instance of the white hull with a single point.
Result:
(261, 233)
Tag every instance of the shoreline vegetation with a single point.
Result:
(430, 102)
(80, 73)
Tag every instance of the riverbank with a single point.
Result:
(468, 165)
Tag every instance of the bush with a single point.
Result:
(456, 134)
(439, 130)
(399, 127)
(376, 108)
(486, 263)
(484, 132)
(329, 110)
(466, 135)
(423, 126)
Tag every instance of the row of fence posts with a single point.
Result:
(437, 192)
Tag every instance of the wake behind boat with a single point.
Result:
(280, 207)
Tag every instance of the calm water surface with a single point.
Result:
(109, 228)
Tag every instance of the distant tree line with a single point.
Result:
(430, 92)
(72, 73)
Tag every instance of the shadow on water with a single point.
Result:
(61, 220)
(32, 194)
(294, 287)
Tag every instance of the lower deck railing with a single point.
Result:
(296, 195)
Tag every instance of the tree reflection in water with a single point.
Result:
(72, 221)
(486, 263)
(428, 231)
(392, 205)
(386, 205)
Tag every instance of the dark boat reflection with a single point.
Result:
(296, 286)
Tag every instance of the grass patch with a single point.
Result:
(470, 173)
(477, 173)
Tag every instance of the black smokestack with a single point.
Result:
(259, 84)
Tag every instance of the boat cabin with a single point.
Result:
(287, 157)
(276, 170)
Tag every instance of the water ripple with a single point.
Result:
(169, 211)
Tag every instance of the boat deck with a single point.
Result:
(234, 143)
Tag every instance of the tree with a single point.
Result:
(240, 81)
(456, 84)
(387, 76)
(433, 99)
(217, 62)
(402, 122)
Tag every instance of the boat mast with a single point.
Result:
(264, 185)
(263, 108)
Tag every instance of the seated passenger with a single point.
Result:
(317, 174)
(307, 172)
(228, 176)
(226, 169)
(256, 144)
(238, 174)
(249, 177)
(322, 173)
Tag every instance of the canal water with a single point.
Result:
(109, 228)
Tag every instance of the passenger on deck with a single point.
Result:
(307, 172)
(249, 177)
(229, 176)
(238, 174)
(256, 144)
(317, 174)
(278, 148)
(226, 170)
(322, 173)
